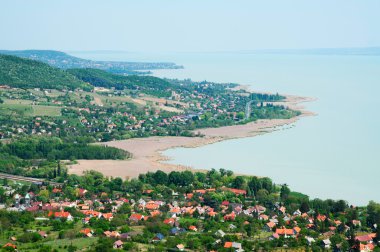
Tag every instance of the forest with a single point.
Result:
(25, 73)
(18, 156)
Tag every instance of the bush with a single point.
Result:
(30, 237)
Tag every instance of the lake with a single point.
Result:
(335, 154)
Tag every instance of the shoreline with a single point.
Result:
(147, 153)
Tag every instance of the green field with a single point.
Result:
(58, 244)
(29, 110)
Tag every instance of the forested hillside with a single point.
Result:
(100, 78)
(25, 73)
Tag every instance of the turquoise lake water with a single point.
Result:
(335, 154)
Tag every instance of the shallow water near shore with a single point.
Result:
(335, 154)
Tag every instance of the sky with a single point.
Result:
(188, 25)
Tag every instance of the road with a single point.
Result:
(248, 110)
(27, 179)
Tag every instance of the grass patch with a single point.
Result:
(17, 101)
(39, 110)
(60, 244)
(29, 110)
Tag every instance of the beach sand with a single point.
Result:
(147, 152)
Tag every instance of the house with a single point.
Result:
(297, 213)
(258, 209)
(232, 227)
(237, 208)
(274, 236)
(229, 217)
(212, 213)
(57, 190)
(107, 216)
(234, 245)
(285, 232)
(337, 222)
(169, 221)
(220, 233)
(158, 237)
(269, 226)
(356, 223)
(92, 213)
(152, 206)
(147, 191)
(193, 228)
(62, 214)
(282, 209)
(365, 238)
(321, 217)
(180, 247)
(43, 234)
(118, 244)
(366, 247)
(87, 232)
(225, 203)
(176, 230)
(326, 243)
(237, 192)
(82, 192)
(136, 217)
(155, 213)
(112, 234)
(297, 230)
(189, 195)
(125, 236)
(287, 219)
(263, 217)
(309, 240)
(305, 216)
(175, 210)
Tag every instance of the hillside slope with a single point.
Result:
(25, 73)
(99, 78)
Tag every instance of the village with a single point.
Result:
(109, 113)
(142, 216)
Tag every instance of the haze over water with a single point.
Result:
(335, 154)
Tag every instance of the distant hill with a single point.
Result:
(25, 73)
(66, 61)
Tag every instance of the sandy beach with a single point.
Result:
(147, 152)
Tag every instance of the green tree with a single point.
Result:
(284, 193)
(104, 245)
(160, 177)
(238, 182)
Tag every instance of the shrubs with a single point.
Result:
(30, 237)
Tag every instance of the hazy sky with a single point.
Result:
(188, 25)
